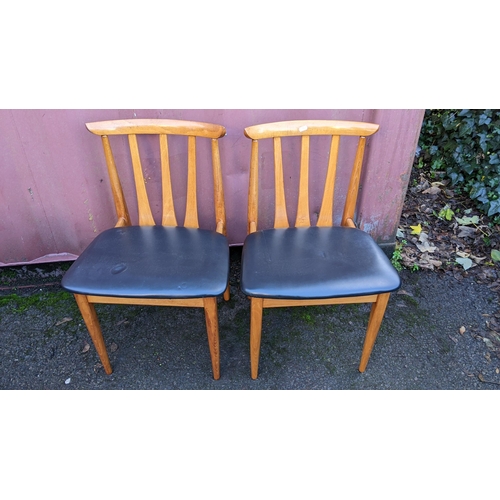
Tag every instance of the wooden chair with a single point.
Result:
(312, 264)
(149, 263)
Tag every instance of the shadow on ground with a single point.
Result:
(435, 336)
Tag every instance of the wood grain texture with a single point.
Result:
(280, 215)
(310, 127)
(255, 334)
(143, 206)
(168, 211)
(303, 219)
(325, 218)
(191, 219)
(116, 187)
(157, 126)
(89, 316)
(220, 211)
(374, 322)
(253, 189)
(352, 190)
(268, 303)
(98, 299)
(212, 324)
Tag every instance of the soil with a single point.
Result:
(453, 233)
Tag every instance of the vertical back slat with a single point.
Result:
(352, 191)
(253, 189)
(191, 219)
(220, 212)
(303, 219)
(168, 216)
(280, 215)
(145, 214)
(326, 212)
(116, 187)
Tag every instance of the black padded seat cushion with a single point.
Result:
(315, 263)
(152, 262)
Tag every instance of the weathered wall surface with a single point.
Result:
(54, 191)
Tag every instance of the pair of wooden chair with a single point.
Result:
(172, 264)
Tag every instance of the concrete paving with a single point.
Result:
(434, 336)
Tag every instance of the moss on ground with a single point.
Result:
(56, 300)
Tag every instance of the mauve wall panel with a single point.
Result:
(55, 195)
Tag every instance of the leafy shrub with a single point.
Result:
(464, 146)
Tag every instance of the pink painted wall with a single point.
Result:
(54, 190)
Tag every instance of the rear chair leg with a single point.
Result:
(376, 316)
(255, 334)
(90, 318)
(212, 321)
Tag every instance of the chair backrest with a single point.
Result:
(163, 128)
(305, 129)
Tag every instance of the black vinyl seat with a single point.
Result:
(315, 263)
(152, 262)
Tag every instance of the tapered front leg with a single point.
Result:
(89, 316)
(376, 316)
(255, 334)
(212, 321)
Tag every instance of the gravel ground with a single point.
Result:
(434, 336)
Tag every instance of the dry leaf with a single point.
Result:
(462, 330)
(86, 347)
(432, 190)
(466, 231)
(113, 347)
(477, 260)
(435, 263)
(416, 229)
(480, 377)
(424, 245)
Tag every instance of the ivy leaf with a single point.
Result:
(465, 262)
(446, 213)
(495, 255)
(416, 229)
(465, 221)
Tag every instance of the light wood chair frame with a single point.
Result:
(163, 128)
(306, 129)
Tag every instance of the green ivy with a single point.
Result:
(464, 146)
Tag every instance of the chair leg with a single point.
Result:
(376, 316)
(227, 295)
(89, 316)
(212, 321)
(255, 334)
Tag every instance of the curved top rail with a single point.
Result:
(157, 126)
(310, 127)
